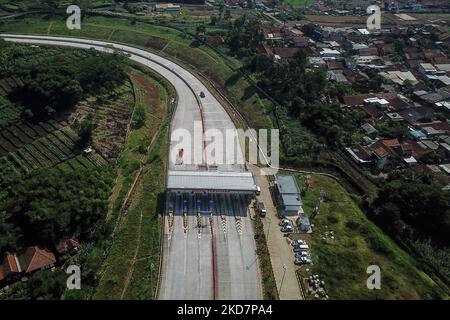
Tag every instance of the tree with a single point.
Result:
(51, 204)
(59, 78)
(7, 233)
(244, 36)
(227, 15)
(392, 129)
(139, 117)
(432, 157)
(85, 131)
(418, 201)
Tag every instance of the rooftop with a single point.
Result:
(289, 192)
(211, 180)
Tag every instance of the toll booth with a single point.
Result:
(206, 193)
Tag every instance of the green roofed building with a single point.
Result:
(288, 194)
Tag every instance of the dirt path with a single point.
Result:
(133, 262)
(281, 254)
(49, 28)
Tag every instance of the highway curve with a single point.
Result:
(194, 266)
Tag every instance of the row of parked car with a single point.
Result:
(286, 226)
(301, 252)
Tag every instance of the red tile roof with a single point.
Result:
(335, 65)
(413, 148)
(372, 111)
(66, 244)
(380, 152)
(286, 53)
(391, 143)
(264, 49)
(398, 103)
(8, 266)
(36, 258)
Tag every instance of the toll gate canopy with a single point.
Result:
(211, 182)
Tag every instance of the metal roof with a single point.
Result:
(289, 192)
(287, 184)
(211, 180)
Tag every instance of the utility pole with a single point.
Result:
(282, 279)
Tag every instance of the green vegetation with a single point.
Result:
(58, 79)
(414, 209)
(86, 129)
(9, 113)
(301, 95)
(43, 285)
(169, 42)
(299, 3)
(268, 279)
(139, 117)
(51, 204)
(49, 190)
(358, 243)
(243, 36)
(131, 268)
(25, 5)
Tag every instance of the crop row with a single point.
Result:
(77, 163)
(45, 151)
(97, 159)
(17, 136)
(9, 113)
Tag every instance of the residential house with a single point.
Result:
(10, 267)
(36, 258)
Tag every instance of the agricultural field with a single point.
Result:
(9, 113)
(9, 84)
(340, 258)
(111, 115)
(26, 147)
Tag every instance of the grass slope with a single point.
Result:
(358, 243)
(130, 270)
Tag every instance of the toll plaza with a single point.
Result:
(206, 193)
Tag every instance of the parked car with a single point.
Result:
(287, 229)
(301, 254)
(285, 222)
(298, 242)
(258, 190)
(202, 94)
(303, 260)
(261, 209)
(300, 248)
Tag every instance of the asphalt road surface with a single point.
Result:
(198, 263)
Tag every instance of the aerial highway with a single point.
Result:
(214, 259)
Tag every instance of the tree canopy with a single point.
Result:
(52, 204)
(417, 201)
(59, 78)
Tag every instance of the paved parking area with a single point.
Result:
(281, 254)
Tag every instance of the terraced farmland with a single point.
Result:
(9, 113)
(111, 115)
(9, 84)
(27, 147)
